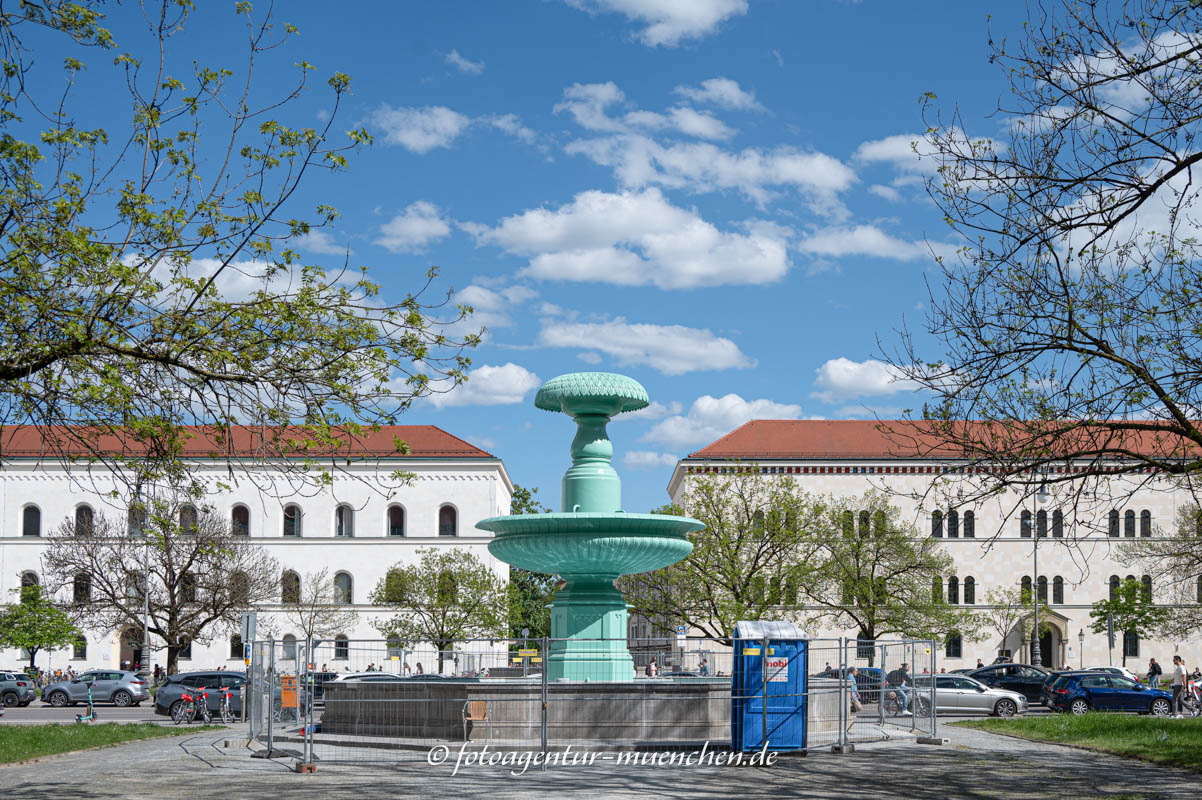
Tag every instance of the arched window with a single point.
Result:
(240, 521)
(1043, 588)
(236, 649)
(1058, 591)
(289, 647)
(290, 587)
(240, 589)
(31, 521)
(81, 588)
(84, 520)
(1024, 525)
(185, 648)
(1129, 524)
(292, 520)
(187, 587)
(970, 591)
(1024, 591)
(135, 521)
(344, 521)
(1145, 523)
(29, 579)
(953, 524)
(343, 588)
(970, 525)
(880, 523)
(1057, 524)
(396, 521)
(1113, 527)
(1114, 586)
(1146, 585)
(1130, 644)
(448, 587)
(342, 648)
(864, 523)
(448, 521)
(936, 589)
(937, 524)
(757, 521)
(953, 647)
(1200, 588)
(1041, 524)
(394, 587)
(189, 520)
(849, 523)
(953, 590)
(79, 650)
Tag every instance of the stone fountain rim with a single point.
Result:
(623, 524)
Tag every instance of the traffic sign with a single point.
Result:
(681, 634)
(528, 652)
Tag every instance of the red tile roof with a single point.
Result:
(424, 441)
(820, 439)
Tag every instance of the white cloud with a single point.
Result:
(864, 240)
(699, 124)
(712, 417)
(589, 357)
(668, 22)
(414, 228)
(648, 459)
(886, 192)
(671, 349)
(656, 410)
(510, 124)
(319, 241)
(842, 379)
(464, 65)
(904, 151)
(420, 130)
(493, 307)
(637, 239)
(721, 92)
(489, 386)
(589, 105)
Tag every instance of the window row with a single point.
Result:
(1128, 518)
(954, 587)
(1145, 585)
(1042, 589)
(344, 588)
(1041, 524)
(240, 520)
(954, 523)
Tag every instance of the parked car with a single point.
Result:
(960, 694)
(370, 676)
(868, 681)
(681, 673)
(1123, 671)
(119, 687)
(16, 689)
(1081, 692)
(319, 681)
(172, 690)
(1026, 679)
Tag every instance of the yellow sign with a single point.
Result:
(926, 651)
(751, 651)
(517, 661)
(536, 661)
(531, 652)
(396, 658)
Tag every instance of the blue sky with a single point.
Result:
(716, 197)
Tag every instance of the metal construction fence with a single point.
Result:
(376, 701)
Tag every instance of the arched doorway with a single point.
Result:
(131, 647)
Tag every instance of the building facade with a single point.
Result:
(994, 544)
(357, 527)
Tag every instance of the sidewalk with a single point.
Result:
(975, 765)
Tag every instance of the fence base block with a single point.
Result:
(932, 740)
(304, 768)
(843, 748)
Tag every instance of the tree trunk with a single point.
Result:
(172, 659)
(33, 654)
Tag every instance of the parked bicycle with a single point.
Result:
(1191, 698)
(226, 710)
(192, 704)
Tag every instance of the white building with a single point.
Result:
(357, 528)
(992, 544)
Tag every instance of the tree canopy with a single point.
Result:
(1130, 610)
(35, 623)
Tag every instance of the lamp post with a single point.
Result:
(1042, 497)
(1081, 642)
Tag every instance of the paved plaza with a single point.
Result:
(974, 765)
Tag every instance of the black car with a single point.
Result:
(172, 691)
(1026, 679)
(868, 681)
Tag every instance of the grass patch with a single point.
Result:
(1174, 742)
(23, 742)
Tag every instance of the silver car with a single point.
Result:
(960, 694)
(16, 689)
(119, 687)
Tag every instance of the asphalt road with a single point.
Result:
(35, 712)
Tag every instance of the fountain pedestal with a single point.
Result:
(588, 631)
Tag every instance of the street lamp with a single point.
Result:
(1042, 497)
(1081, 642)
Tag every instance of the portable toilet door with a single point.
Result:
(769, 688)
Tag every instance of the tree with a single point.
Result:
(752, 559)
(878, 575)
(1069, 320)
(1130, 610)
(1009, 610)
(35, 623)
(201, 576)
(530, 593)
(448, 596)
(1175, 558)
(151, 274)
(319, 609)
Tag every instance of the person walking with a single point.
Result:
(704, 668)
(856, 705)
(652, 668)
(1154, 673)
(1178, 684)
(980, 664)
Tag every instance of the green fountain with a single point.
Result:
(592, 541)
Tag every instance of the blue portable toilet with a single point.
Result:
(768, 689)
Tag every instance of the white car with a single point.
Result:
(1126, 673)
(365, 676)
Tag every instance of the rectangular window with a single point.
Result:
(864, 649)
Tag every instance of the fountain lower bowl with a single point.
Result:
(590, 543)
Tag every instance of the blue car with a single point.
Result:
(1080, 692)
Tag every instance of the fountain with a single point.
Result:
(592, 541)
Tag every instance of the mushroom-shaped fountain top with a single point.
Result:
(592, 393)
